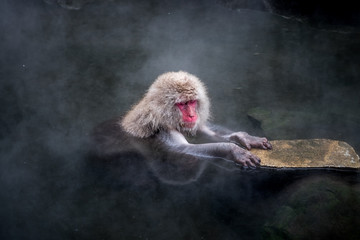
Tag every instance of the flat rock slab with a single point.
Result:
(309, 153)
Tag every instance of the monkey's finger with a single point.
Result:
(268, 145)
(243, 160)
(255, 160)
(247, 145)
(264, 146)
(250, 164)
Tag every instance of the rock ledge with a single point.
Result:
(309, 153)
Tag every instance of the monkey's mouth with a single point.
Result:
(188, 124)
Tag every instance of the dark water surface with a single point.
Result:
(63, 71)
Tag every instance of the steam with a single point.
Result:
(64, 71)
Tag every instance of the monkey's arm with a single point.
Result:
(176, 142)
(241, 138)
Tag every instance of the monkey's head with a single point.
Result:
(176, 100)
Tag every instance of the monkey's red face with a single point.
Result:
(188, 111)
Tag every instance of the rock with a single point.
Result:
(310, 153)
(316, 208)
(288, 124)
(282, 123)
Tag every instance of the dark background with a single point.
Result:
(283, 69)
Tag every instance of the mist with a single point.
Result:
(66, 66)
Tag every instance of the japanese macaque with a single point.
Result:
(176, 105)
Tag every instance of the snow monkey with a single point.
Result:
(176, 105)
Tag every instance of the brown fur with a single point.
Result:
(156, 111)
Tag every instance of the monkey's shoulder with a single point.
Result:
(109, 137)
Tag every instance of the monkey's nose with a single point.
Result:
(191, 113)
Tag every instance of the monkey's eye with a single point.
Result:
(191, 103)
(180, 105)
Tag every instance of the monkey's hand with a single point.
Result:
(248, 141)
(244, 157)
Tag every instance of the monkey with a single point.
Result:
(174, 107)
